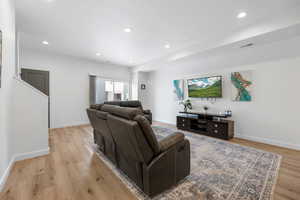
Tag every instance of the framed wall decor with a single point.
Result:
(178, 90)
(242, 84)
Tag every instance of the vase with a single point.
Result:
(185, 109)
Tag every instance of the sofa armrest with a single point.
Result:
(148, 115)
(167, 169)
(170, 140)
(147, 111)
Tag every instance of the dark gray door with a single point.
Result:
(40, 80)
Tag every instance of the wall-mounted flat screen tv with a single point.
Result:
(207, 87)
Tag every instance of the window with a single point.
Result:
(116, 90)
(103, 89)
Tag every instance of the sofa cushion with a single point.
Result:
(148, 132)
(147, 112)
(96, 106)
(102, 115)
(170, 140)
(132, 104)
(125, 112)
(148, 117)
(116, 103)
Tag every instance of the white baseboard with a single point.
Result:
(33, 154)
(6, 174)
(18, 157)
(164, 121)
(70, 125)
(268, 141)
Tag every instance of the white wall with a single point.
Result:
(100, 86)
(273, 115)
(143, 94)
(7, 26)
(134, 85)
(30, 121)
(137, 79)
(69, 83)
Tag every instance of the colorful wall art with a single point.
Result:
(178, 89)
(242, 85)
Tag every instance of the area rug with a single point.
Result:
(219, 171)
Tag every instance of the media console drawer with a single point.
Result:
(182, 123)
(217, 126)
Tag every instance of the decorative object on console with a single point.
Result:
(228, 113)
(187, 104)
(205, 108)
(242, 85)
(178, 89)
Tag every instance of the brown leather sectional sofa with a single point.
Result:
(132, 104)
(125, 136)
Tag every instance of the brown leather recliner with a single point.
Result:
(102, 135)
(154, 166)
(132, 104)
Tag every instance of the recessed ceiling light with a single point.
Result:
(98, 54)
(241, 15)
(45, 42)
(127, 30)
(167, 46)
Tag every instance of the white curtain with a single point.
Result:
(97, 90)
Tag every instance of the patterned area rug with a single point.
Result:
(219, 171)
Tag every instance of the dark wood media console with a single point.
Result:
(206, 124)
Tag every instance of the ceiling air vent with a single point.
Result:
(247, 45)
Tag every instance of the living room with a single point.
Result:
(149, 100)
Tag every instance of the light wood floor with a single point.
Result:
(73, 172)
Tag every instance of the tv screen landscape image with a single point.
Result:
(208, 87)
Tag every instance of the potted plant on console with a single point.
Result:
(205, 108)
(187, 104)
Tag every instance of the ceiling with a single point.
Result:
(83, 28)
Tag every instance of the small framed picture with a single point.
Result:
(143, 87)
